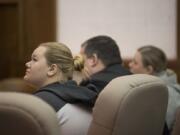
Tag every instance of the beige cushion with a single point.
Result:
(23, 114)
(131, 105)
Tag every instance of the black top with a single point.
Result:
(98, 81)
(58, 94)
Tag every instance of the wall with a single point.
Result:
(132, 23)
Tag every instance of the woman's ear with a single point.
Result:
(53, 69)
(150, 70)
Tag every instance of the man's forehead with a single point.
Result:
(82, 50)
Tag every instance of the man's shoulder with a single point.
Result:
(118, 68)
(110, 73)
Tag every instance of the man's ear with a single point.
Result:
(53, 69)
(93, 60)
(150, 69)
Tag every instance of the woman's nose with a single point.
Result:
(27, 64)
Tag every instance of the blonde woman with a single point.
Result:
(51, 69)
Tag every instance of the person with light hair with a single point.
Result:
(51, 70)
(152, 60)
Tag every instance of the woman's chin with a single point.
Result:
(26, 78)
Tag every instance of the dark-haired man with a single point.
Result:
(103, 62)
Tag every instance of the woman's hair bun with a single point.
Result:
(78, 62)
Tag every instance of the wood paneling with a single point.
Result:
(176, 64)
(8, 38)
(24, 24)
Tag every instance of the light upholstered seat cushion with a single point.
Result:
(131, 105)
(23, 114)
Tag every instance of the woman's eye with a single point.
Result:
(34, 59)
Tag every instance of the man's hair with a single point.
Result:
(105, 48)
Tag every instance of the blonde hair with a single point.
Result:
(60, 54)
(80, 71)
(78, 62)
